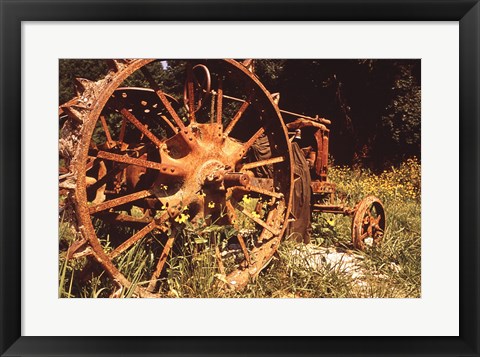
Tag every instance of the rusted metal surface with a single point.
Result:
(162, 165)
(160, 265)
(165, 169)
(271, 161)
(119, 201)
(368, 223)
(323, 187)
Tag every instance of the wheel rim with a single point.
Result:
(368, 225)
(179, 172)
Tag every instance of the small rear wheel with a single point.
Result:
(368, 225)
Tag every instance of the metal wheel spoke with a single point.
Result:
(219, 101)
(370, 219)
(119, 201)
(133, 239)
(251, 141)
(257, 220)
(265, 233)
(132, 119)
(160, 264)
(363, 236)
(191, 95)
(370, 230)
(166, 169)
(111, 172)
(263, 191)
(89, 165)
(121, 136)
(238, 115)
(366, 219)
(110, 142)
(273, 160)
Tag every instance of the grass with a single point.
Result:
(392, 270)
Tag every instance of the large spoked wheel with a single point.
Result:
(154, 176)
(368, 225)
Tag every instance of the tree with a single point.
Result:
(402, 117)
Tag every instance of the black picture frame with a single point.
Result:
(13, 12)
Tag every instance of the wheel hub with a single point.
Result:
(211, 174)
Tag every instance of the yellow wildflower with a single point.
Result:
(182, 218)
(331, 221)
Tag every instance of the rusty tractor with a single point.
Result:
(151, 165)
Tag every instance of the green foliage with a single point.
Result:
(270, 71)
(401, 121)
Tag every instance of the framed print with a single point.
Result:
(172, 182)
